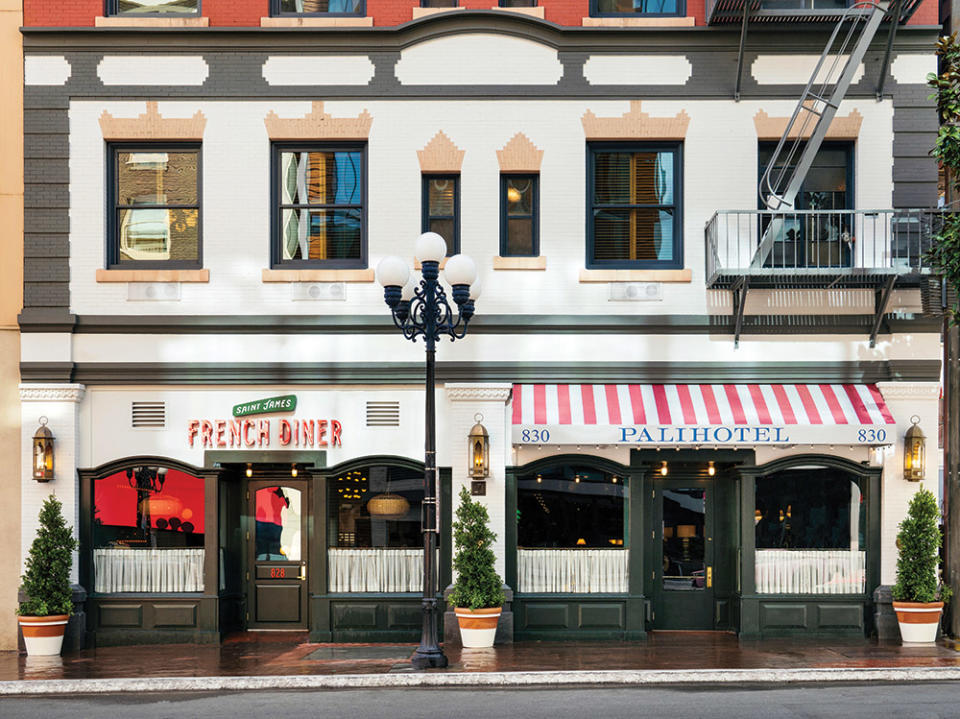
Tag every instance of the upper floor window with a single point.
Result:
(634, 205)
(637, 7)
(318, 7)
(135, 8)
(319, 210)
(154, 217)
(441, 209)
(438, 3)
(518, 3)
(519, 216)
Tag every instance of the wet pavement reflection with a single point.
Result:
(285, 653)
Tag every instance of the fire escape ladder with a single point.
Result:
(807, 127)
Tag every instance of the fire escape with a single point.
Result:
(781, 246)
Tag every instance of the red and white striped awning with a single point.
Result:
(709, 414)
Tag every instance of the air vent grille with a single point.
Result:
(149, 414)
(383, 414)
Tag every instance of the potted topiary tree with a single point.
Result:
(46, 583)
(918, 596)
(477, 594)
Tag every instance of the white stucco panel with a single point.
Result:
(913, 69)
(637, 69)
(795, 69)
(479, 59)
(318, 70)
(153, 70)
(46, 70)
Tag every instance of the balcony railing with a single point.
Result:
(818, 247)
(778, 11)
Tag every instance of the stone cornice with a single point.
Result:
(478, 392)
(893, 391)
(51, 392)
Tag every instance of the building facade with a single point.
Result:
(696, 401)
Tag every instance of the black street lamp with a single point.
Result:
(423, 310)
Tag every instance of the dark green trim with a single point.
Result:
(336, 373)
(216, 457)
(510, 528)
(35, 319)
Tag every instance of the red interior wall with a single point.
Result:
(116, 501)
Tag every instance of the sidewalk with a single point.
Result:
(258, 660)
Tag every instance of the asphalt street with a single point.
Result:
(904, 701)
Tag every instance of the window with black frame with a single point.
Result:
(519, 216)
(438, 3)
(571, 531)
(810, 526)
(148, 531)
(320, 211)
(634, 205)
(318, 7)
(154, 217)
(374, 539)
(619, 8)
(518, 3)
(441, 209)
(821, 234)
(147, 8)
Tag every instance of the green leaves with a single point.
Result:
(47, 578)
(478, 585)
(944, 255)
(919, 543)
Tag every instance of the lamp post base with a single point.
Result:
(427, 659)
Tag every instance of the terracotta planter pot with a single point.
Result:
(918, 621)
(43, 636)
(478, 627)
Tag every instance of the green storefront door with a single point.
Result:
(683, 554)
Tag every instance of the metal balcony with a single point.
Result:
(827, 249)
(720, 12)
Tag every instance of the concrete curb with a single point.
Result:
(478, 679)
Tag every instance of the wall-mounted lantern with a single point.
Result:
(914, 452)
(43, 452)
(479, 454)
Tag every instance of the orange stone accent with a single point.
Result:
(153, 275)
(635, 125)
(316, 22)
(151, 125)
(638, 22)
(519, 155)
(318, 125)
(118, 21)
(841, 128)
(440, 155)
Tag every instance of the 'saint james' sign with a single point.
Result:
(286, 403)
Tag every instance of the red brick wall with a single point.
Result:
(65, 13)
(927, 14)
(391, 12)
(235, 12)
(565, 12)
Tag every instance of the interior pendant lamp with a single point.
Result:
(479, 451)
(914, 452)
(388, 505)
(43, 452)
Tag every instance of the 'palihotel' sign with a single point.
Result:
(654, 435)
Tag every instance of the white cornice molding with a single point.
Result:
(479, 391)
(51, 392)
(892, 391)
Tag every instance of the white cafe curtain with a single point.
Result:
(148, 570)
(375, 570)
(572, 571)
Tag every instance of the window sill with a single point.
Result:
(520, 263)
(636, 275)
(116, 21)
(638, 22)
(339, 21)
(531, 11)
(317, 275)
(153, 275)
(419, 12)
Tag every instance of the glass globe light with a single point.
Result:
(392, 272)
(430, 247)
(476, 287)
(460, 270)
(406, 294)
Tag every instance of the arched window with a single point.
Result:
(810, 529)
(148, 531)
(374, 539)
(571, 529)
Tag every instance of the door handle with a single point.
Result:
(303, 572)
(709, 577)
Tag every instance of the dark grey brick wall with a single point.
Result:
(915, 131)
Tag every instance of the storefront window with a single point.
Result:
(810, 532)
(375, 543)
(148, 531)
(571, 534)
